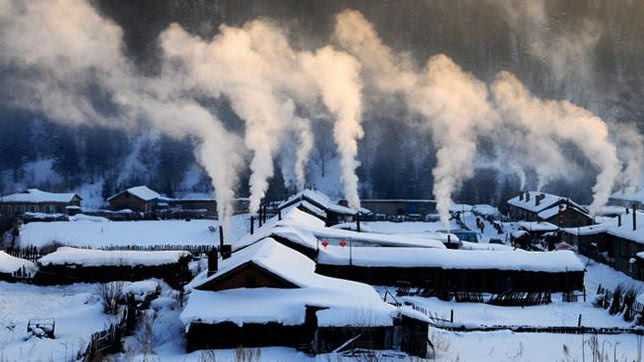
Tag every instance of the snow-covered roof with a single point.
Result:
(626, 230)
(346, 302)
(39, 196)
(91, 257)
(10, 264)
(593, 229)
(86, 232)
(554, 210)
(538, 226)
(546, 202)
(311, 208)
(636, 196)
(318, 199)
(553, 261)
(142, 192)
(485, 210)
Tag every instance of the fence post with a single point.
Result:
(579, 321)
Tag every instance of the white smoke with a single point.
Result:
(567, 52)
(457, 110)
(263, 76)
(552, 120)
(630, 144)
(338, 76)
(63, 60)
(453, 103)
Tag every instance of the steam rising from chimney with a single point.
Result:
(275, 89)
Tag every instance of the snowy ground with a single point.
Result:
(77, 310)
(123, 233)
(78, 313)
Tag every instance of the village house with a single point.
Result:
(267, 294)
(539, 206)
(207, 205)
(627, 199)
(397, 207)
(37, 201)
(318, 204)
(69, 265)
(450, 271)
(139, 198)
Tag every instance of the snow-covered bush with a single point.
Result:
(112, 295)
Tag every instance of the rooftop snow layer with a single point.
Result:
(145, 232)
(531, 205)
(319, 198)
(537, 226)
(142, 192)
(10, 264)
(554, 261)
(554, 210)
(637, 196)
(91, 257)
(626, 230)
(348, 302)
(38, 196)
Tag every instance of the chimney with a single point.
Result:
(521, 196)
(279, 214)
(221, 236)
(358, 221)
(537, 200)
(634, 219)
(252, 224)
(619, 220)
(627, 210)
(213, 261)
(527, 196)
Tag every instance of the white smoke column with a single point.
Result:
(630, 147)
(254, 67)
(338, 76)
(303, 152)
(69, 57)
(562, 120)
(454, 104)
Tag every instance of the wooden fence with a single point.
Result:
(29, 253)
(108, 340)
(33, 253)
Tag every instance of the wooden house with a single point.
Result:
(38, 201)
(397, 207)
(269, 295)
(139, 198)
(539, 206)
(71, 265)
(627, 198)
(449, 271)
(318, 204)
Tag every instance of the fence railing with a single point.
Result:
(109, 340)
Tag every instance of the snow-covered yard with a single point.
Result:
(77, 310)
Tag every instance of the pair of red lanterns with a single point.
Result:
(342, 243)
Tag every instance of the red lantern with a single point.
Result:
(343, 243)
(325, 243)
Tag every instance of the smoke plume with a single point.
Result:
(65, 62)
(453, 103)
(548, 120)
